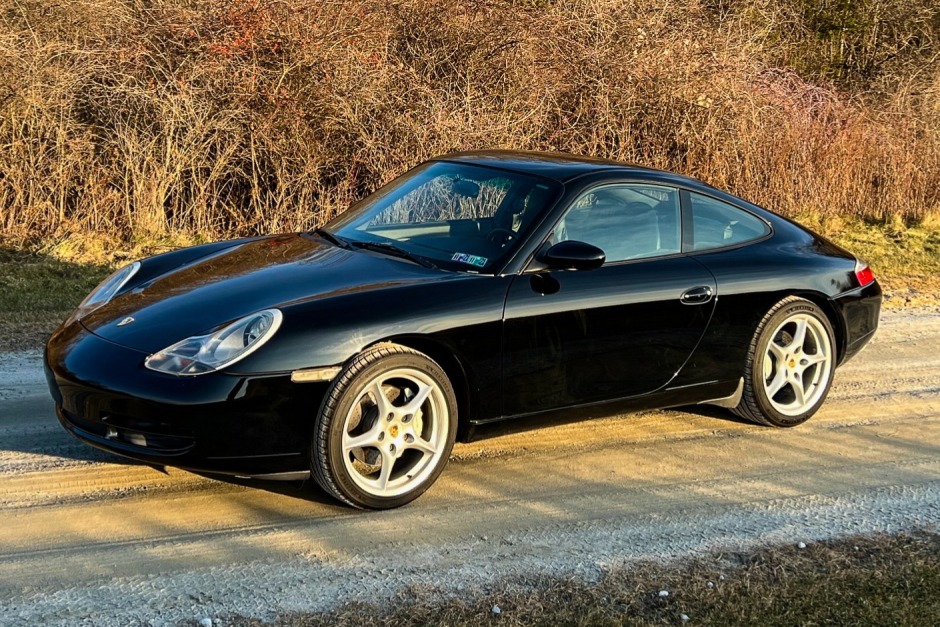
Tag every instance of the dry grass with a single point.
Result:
(188, 118)
(882, 580)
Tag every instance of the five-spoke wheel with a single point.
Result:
(386, 428)
(790, 365)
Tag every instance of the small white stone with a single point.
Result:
(205, 622)
(710, 585)
(684, 617)
(496, 610)
(802, 545)
(664, 593)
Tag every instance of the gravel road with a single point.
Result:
(90, 537)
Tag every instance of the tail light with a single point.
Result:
(863, 273)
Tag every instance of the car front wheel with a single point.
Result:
(790, 364)
(385, 429)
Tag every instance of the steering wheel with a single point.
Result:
(500, 236)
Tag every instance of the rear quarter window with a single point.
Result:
(716, 224)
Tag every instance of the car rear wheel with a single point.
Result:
(385, 429)
(790, 364)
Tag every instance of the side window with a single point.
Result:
(629, 221)
(716, 224)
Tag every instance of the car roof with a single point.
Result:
(558, 166)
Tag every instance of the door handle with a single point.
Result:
(696, 295)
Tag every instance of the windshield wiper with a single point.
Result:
(392, 249)
(332, 238)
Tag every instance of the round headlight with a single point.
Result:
(256, 328)
(207, 353)
(106, 290)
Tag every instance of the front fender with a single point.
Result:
(326, 332)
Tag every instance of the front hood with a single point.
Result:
(272, 272)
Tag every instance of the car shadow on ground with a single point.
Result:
(711, 411)
(55, 442)
(30, 431)
(304, 490)
(570, 416)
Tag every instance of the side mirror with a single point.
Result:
(573, 255)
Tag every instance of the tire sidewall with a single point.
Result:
(336, 424)
(773, 416)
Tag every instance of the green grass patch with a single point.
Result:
(37, 292)
(906, 259)
(881, 580)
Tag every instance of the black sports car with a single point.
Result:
(477, 287)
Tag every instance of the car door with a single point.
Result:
(621, 330)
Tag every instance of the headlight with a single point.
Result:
(106, 290)
(208, 353)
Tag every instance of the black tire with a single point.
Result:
(757, 405)
(330, 466)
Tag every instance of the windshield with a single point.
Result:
(454, 215)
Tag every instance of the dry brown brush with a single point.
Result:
(140, 120)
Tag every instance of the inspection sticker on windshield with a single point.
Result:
(473, 260)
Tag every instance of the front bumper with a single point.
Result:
(859, 310)
(249, 425)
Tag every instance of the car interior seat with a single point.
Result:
(622, 230)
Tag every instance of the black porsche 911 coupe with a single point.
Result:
(476, 287)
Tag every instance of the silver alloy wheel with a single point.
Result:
(395, 432)
(797, 364)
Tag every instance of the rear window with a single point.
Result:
(717, 224)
